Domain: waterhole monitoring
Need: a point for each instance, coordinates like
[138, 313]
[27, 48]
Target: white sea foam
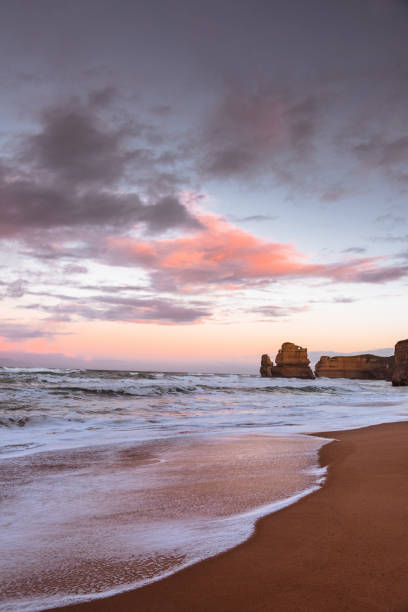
[101, 520]
[55, 409]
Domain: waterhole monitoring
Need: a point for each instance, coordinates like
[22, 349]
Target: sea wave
[65, 408]
[160, 390]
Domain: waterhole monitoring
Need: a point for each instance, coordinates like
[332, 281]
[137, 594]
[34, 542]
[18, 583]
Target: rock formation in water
[291, 362]
[266, 366]
[400, 375]
[368, 367]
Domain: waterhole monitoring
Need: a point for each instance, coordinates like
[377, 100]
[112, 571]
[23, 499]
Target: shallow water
[55, 409]
[110, 480]
[76, 522]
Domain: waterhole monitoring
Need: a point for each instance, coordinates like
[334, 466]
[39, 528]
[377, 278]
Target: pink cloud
[222, 254]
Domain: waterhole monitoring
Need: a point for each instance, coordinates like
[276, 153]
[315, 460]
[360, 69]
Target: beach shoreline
[340, 548]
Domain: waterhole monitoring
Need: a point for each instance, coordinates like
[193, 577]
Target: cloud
[250, 135]
[403, 255]
[391, 155]
[134, 310]
[381, 274]
[168, 212]
[78, 169]
[17, 332]
[390, 220]
[75, 269]
[391, 238]
[221, 254]
[343, 300]
[77, 147]
[52, 360]
[334, 300]
[364, 270]
[278, 312]
[16, 289]
[28, 205]
[102, 97]
[354, 250]
[251, 218]
[64, 198]
[113, 288]
[333, 193]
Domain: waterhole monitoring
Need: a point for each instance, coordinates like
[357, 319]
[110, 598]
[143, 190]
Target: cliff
[291, 362]
[368, 367]
[400, 375]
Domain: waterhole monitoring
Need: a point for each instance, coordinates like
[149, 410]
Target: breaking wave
[160, 390]
[64, 408]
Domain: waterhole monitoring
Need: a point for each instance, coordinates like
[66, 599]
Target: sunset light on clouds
[203, 216]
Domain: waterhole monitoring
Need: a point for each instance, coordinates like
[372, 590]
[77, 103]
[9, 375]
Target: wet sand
[344, 547]
[111, 518]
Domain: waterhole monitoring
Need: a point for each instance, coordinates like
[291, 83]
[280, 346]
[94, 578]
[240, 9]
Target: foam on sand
[88, 522]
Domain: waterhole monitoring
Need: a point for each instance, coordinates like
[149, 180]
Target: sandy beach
[341, 548]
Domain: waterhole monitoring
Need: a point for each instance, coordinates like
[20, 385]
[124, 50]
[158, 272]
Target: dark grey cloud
[166, 213]
[99, 142]
[78, 169]
[29, 205]
[252, 135]
[75, 146]
[102, 97]
[348, 44]
[391, 155]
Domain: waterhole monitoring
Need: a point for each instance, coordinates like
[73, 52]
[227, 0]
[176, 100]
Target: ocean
[114, 479]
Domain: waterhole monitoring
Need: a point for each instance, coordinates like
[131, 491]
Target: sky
[188, 184]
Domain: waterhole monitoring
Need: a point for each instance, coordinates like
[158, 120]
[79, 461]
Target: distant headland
[292, 362]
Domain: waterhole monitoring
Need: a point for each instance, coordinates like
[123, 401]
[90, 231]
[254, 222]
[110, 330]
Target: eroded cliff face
[400, 375]
[367, 367]
[291, 362]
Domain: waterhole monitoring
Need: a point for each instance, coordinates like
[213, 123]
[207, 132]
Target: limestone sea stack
[291, 362]
[400, 375]
[366, 367]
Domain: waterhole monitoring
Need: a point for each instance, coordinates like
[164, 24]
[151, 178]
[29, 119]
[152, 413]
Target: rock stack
[400, 375]
[291, 362]
[266, 366]
[368, 367]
